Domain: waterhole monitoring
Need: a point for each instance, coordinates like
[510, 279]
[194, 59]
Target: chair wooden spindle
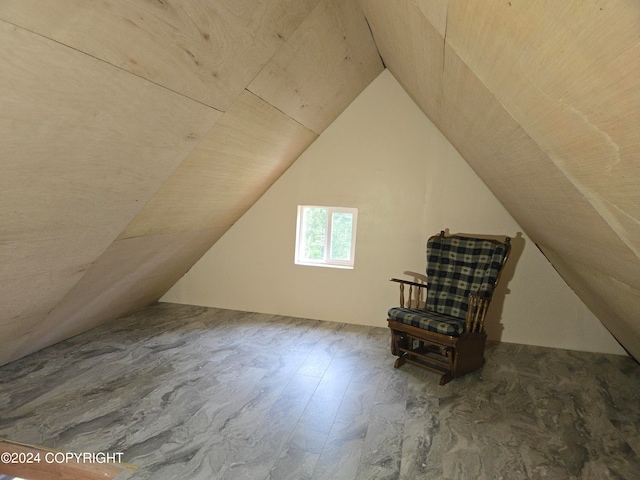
[467, 326]
[485, 306]
[478, 309]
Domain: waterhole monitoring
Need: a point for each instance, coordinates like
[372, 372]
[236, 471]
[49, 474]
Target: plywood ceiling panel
[243, 154]
[515, 167]
[21, 311]
[84, 145]
[208, 51]
[91, 143]
[436, 11]
[614, 302]
[411, 47]
[325, 65]
[568, 72]
[131, 274]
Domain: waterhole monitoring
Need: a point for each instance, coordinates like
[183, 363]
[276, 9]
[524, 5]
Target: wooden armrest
[407, 282]
[418, 286]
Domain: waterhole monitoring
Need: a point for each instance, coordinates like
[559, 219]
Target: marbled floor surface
[201, 393]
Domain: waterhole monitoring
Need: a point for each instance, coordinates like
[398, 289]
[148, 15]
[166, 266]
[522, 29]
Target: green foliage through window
[315, 227]
[326, 236]
[341, 224]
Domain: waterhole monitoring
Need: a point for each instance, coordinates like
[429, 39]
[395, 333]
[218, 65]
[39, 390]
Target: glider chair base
[450, 356]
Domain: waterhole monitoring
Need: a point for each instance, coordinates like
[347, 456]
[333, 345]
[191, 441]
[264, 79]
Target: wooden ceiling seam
[276, 51]
[384, 65]
[281, 111]
[157, 84]
[444, 41]
[322, 67]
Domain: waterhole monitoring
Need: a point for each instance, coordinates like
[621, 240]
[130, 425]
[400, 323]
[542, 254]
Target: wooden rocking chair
[445, 331]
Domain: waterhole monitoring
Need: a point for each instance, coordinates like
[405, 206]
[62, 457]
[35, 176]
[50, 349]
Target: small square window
[326, 236]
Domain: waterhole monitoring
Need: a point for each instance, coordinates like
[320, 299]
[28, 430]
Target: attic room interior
[155, 156]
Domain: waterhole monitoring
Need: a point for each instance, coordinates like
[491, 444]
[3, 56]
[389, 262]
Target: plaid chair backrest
[458, 266]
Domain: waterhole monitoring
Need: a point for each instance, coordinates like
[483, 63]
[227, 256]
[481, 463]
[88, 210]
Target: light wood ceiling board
[523, 177]
[494, 144]
[436, 12]
[472, 117]
[569, 72]
[506, 158]
[616, 304]
[131, 274]
[26, 301]
[208, 51]
[84, 145]
[411, 47]
[247, 150]
[503, 154]
[323, 67]
[17, 292]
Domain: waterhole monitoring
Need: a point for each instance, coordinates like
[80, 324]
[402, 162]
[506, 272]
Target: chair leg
[446, 378]
[400, 361]
[398, 341]
[394, 344]
[469, 355]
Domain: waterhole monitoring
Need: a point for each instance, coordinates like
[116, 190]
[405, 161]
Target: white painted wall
[384, 157]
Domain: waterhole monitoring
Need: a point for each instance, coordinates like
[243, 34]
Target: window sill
[326, 265]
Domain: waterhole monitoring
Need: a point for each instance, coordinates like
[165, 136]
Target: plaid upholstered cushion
[428, 320]
[458, 266]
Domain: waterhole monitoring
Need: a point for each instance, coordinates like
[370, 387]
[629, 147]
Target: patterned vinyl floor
[202, 393]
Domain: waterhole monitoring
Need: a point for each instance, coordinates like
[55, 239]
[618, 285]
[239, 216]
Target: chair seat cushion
[428, 320]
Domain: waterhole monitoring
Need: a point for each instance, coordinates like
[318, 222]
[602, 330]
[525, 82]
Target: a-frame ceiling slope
[543, 100]
[134, 133]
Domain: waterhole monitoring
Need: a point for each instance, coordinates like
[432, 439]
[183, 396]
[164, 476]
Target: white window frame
[327, 261]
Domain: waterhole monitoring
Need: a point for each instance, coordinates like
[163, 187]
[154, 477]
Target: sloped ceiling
[135, 133]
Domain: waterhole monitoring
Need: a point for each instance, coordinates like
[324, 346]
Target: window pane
[315, 226]
[320, 243]
[341, 227]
